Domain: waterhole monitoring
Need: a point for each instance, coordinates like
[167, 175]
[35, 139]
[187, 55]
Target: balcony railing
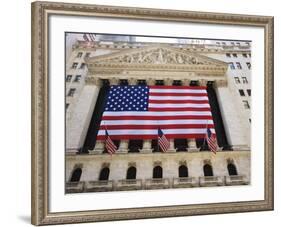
[157, 183]
[236, 180]
[129, 184]
[99, 186]
[74, 187]
[184, 182]
[211, 181]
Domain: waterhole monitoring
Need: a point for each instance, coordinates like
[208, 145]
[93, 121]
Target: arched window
[157, 172]
[183, 171]
[208, 170]
[76, 175]
[232, 169]
[131, 173]
[104, 173]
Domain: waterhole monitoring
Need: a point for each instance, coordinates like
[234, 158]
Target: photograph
[155, 112]
[149, 113]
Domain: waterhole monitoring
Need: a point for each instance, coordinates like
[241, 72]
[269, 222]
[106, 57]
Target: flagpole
[202, 147]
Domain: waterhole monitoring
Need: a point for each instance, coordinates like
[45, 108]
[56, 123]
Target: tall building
[224, 67]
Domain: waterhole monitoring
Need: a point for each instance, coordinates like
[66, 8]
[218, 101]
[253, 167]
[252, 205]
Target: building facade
[223, 66]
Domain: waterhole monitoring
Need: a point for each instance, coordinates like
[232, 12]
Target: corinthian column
[172, 146]
[146, 147]
[192, 145]
[123, 147]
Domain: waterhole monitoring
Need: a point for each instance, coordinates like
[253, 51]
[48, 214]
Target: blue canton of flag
[127, 98]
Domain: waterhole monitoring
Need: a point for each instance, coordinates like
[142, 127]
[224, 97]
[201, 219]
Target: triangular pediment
[156, 55]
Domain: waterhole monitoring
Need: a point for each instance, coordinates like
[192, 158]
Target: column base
[122, 151]
[96, 151]
[193, 149]
[171, 151]
[146, 150]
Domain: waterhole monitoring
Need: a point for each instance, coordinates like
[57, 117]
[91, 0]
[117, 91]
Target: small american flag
[162, 141]
[211, 140]
[109, 144]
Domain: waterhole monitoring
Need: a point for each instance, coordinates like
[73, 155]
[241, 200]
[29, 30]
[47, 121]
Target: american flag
[109, 144]
[138, 111]
[212, 141]
[162, 141]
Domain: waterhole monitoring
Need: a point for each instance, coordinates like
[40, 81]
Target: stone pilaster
[78, 125]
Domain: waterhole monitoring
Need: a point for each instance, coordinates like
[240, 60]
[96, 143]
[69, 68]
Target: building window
[232, 43]
[246, 104]
[237, 43]
[135, 146]
[231, 169]
[234, 55]
[228, 55]
[249, 65]
[241, 92]
[245, 55]
[208, 170]
[231, 65]
[177, 83]
[250, 120]
[223, 43]
[104, 173]
[183, 171]
[159, 82]
[77, 78]
[82, 66]
[157, 172]
[141, 82]
[249, 92]
[71, 92]
[237, 80]
[244, 79]
[131, 173]
[74, 65]
[68, 78]
[79, 55]
[218, 43]
[250, 55]
[238, 65]
[87, 54]
[66, 106]
[76, 175]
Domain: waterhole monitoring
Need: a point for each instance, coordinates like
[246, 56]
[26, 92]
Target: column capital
[150, 81]
[185, 82]
[93, 80]
[168, 81]
[132, 81]
[203, 82]
[220, 83]
[113, 81]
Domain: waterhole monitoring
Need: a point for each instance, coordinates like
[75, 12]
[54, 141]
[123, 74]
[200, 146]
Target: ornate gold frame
[40, 204]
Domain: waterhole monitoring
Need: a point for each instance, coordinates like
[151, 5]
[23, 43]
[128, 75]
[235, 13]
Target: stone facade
[116, 61]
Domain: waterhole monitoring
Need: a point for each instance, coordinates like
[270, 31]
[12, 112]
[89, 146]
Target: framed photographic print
[145, 113]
